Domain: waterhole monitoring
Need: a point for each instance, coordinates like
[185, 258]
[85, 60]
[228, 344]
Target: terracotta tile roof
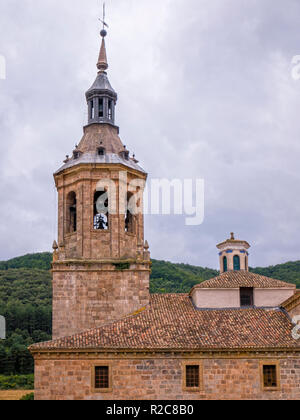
[292, 302]
[237, 279]
[172, 322]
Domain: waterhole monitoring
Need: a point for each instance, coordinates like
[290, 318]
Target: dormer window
[124, 154]
[247, 296]
[76, 155]
[101, 151]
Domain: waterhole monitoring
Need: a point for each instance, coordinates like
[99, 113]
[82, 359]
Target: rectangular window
[270, 376]
[192, 376]
[102, 377]
[246, 295]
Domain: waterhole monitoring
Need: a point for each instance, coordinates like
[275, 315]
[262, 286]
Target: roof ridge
[238, 277]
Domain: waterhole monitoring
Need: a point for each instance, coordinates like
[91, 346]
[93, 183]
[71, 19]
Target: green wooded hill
[25, 299]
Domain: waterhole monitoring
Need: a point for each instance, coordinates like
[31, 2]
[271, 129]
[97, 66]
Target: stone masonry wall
[87, 296]
[162, 379]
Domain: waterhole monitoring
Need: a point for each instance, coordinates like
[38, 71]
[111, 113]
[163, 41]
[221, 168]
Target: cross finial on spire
[103, 33]
[102, 64]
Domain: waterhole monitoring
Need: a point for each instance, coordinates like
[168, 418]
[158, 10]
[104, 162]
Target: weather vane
[105, 25]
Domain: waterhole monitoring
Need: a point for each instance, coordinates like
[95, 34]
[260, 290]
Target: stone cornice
[234, 244]
[91, 166]
[103, 265]
[113, 354]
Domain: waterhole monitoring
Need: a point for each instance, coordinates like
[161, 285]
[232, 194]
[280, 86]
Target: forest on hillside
[25, 299]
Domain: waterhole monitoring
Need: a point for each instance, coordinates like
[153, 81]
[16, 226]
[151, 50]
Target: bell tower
[101, 262]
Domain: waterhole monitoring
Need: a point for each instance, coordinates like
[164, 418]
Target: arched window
[71, 213]
[129, 216]
[236, 263]
[225, 264]
[101, 221]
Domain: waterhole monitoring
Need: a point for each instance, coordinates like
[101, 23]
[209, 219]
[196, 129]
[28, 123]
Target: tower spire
[101, 97]
[102, 64]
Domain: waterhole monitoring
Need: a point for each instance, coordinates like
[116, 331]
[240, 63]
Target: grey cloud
[205, 90]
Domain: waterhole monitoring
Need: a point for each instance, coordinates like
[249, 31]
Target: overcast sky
[205, 91]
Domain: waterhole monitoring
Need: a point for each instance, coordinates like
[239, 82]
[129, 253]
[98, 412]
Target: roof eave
[234, 242]
[79, 164]
[163, 350]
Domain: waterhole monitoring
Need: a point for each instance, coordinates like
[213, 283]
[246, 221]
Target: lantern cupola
[101, 97]
[233, 255]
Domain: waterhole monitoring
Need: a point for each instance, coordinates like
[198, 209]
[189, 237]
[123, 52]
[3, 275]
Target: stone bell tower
[233, 255]
[101, 262]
